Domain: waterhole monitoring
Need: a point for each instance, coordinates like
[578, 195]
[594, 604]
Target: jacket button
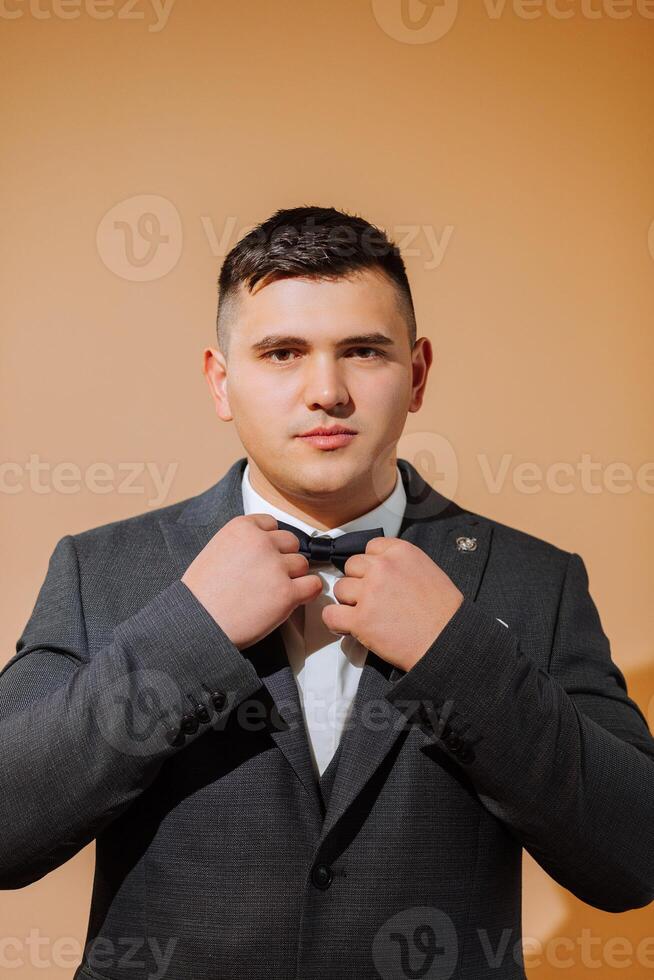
[175, 737]
[453, 741]
[423, 714]
[218, 698]
[322, 876]
[190, 724]
[202, 712]
[424, 721]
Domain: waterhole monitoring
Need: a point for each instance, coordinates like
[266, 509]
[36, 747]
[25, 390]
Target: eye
[271, 355]
[375, 352]
[280, 350]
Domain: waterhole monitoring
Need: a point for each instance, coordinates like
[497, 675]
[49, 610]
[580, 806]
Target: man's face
[302, 355]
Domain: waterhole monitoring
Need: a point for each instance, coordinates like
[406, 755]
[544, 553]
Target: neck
[330, 510]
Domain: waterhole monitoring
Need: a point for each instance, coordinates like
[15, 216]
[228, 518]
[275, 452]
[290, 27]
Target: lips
[329, 439]
[337, 430]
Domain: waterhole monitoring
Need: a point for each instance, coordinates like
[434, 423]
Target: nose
[325, 386]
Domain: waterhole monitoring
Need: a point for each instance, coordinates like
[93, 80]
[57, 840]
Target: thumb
[307, 587]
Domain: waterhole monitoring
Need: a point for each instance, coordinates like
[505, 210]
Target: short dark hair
[312, 242]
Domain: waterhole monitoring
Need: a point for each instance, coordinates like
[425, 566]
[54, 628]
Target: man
[313, 714]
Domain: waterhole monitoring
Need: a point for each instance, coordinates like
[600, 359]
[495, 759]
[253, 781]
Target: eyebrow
[287, 340]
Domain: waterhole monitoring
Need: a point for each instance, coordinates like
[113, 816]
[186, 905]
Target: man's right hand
[250, 578]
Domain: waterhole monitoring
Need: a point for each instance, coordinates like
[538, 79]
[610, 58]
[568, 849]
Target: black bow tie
[336, 550]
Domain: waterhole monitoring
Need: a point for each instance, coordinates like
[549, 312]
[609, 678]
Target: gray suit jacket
[127, 716]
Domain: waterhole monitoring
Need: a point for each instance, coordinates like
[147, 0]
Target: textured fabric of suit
[221, 856]
[326, 781]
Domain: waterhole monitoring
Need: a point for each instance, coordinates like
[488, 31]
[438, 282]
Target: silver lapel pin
[466, 544]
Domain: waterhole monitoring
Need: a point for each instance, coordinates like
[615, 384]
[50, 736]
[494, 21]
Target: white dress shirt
[326, 667]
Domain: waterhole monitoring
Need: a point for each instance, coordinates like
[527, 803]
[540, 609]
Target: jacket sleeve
[563, 757]
[81, 737]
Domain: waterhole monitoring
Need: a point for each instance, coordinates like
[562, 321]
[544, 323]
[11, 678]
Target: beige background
[520, 145]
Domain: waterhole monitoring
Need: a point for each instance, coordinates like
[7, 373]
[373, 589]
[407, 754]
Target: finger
[378, 545]
[348, 590]
[337, 618]
[307, 587]
[296, 565]
[265, 521]
[356, 565]
[285, 541]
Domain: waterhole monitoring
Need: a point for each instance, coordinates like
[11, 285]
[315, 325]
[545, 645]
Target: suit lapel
[185, 537]
[432, 523]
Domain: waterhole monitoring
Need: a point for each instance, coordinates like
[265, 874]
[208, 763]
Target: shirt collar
[388, 514]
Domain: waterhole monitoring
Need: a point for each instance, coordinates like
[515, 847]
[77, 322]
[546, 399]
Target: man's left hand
[394, 599]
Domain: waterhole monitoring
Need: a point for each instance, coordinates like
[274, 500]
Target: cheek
[250, 386]
[384, 399]
[260, 402]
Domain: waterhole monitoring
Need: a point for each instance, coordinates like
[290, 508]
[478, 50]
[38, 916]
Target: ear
[215, 371]
[421, 359]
